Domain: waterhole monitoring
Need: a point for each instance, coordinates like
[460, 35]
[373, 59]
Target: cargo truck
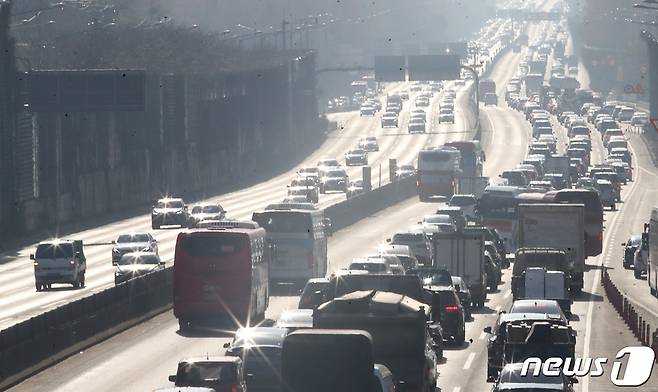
[533, 83]
[485, 87]
[323, 360]
[557, 226]
[398, 326]
[462, 254]
[541, 283]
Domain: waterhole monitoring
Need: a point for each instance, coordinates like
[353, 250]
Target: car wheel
[39, 286]
[637, 274]
[82, 280]
[183, 325]
[461, 336]
[155, 226]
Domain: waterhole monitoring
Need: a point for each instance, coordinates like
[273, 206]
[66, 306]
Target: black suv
[448, 311]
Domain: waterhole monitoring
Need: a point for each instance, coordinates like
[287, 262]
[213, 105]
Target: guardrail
[639, 326]
[36, 343]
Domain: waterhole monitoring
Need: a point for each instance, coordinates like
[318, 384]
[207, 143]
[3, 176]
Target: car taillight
[418, 183]
[451, 308]
[600, 236]
[234, 388]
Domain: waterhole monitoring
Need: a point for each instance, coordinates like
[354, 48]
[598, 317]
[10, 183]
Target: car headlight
[116, 251]
[179, 212]
[146, 249]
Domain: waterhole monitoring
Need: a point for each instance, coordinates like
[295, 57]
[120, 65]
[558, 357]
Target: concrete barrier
[354, 209]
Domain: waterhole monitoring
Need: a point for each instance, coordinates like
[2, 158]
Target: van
[59, 261]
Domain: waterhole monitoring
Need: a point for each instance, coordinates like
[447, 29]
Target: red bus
[593, 215]
[221, 272]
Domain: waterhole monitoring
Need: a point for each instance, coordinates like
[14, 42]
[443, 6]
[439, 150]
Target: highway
[141, 358]
[20, 299]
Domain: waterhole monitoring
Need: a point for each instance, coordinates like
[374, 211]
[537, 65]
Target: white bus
[298, 232]
[437, 172]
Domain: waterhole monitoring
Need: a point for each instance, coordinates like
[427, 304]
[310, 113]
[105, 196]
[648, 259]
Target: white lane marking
[483, 336]
[648, 172]
[498, 308]
[507, 293]
[456, 389]
[469, 361]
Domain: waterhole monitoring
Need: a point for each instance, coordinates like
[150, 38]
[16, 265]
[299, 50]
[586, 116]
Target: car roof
[212, 358]
[259, 336]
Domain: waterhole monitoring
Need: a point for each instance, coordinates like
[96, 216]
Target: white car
[446, 116]
[416, 126]
[405, 171]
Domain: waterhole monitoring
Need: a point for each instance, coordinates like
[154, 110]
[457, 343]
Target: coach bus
[497, 209]
[437, 172]
[298, 233]
[652, 267]
[221, 272]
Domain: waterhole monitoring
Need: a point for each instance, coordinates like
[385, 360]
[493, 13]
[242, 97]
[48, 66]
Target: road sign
[87, 90]
[389, 69]
[434, 67]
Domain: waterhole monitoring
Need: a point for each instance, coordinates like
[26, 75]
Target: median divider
[34, 344]
[637, 322]
[356, 208]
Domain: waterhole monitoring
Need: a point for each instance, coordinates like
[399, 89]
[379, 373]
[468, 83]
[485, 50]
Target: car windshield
[547, 307]
[308, 170]
[336, 173]
[357, 152]
[407, 168]
[442, 218]
[127, 238]
[432, 276]
[170, 204]
[212, 209]
[373, 268]
[54, 251]
[191, 374]
[461, 201]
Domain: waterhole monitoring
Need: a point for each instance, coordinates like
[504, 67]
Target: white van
[59, 261]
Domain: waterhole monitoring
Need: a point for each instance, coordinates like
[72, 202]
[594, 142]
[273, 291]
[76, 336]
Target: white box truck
[462, 254]
[558, 226]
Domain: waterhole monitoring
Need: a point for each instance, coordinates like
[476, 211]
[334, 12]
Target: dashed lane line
[469, 361]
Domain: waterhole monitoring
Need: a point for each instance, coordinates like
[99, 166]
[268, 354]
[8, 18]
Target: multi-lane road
[20, 300]
[140, 358]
